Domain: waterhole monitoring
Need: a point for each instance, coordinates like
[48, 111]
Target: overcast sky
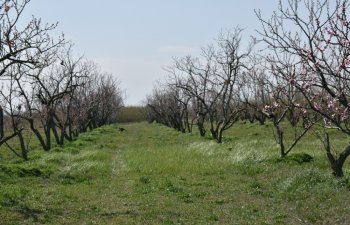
[134, 39]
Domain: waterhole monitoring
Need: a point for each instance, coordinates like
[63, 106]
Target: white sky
[134, 39]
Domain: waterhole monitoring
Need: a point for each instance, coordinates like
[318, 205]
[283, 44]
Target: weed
[172, 188]
[213, 217]
[145, 179]
[220, 201]
[255, 188]
[186, 197]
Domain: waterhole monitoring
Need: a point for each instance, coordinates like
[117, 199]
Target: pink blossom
[267, 107]
[344, 23]
[331, 32]
[309, 54]
[347, 61]
[307, 86]
[7, 8]
[319, 49]
[332, 103]
[345, 114]
[292, 81]
[317, 107]
[275, 104]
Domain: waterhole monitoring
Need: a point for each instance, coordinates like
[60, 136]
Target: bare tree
[47, 88]
[72, 72]
[164, 107]
[22, 46]
[255, 90]
[230, 62]
[110, 100]
[12, 108]
[211, 82]
[196, 75]
[98, 101]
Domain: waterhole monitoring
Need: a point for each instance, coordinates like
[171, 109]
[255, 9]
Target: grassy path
[151, 174]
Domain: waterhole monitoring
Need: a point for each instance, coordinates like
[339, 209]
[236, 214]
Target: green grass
[151, 174]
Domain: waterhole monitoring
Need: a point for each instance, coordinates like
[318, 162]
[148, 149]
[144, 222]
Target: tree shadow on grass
[29, 213]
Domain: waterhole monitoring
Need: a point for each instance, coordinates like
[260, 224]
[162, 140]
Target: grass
[151, 174]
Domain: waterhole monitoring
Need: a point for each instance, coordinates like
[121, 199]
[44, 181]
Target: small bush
[145, 180]
[297, 157]
[301, 158]
[71, 179]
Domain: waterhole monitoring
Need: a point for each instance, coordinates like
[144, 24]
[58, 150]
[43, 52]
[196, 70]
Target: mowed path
[161, 176]
[156, 176]
[151, 174]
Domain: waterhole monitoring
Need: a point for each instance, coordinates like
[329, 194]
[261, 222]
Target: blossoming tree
[316, 35]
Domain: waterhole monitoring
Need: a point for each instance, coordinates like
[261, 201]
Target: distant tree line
[45, 89]
[129, 114]
[296, 70]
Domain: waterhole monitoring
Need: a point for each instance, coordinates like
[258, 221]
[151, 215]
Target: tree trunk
[214, 133]
[63, 135]
[59, 141]
[187, 124]
[75, 133]
[38, 135]
[251, 118]
[69, 120]
[1, 123]
[337, 168]
[219, 136]
[200, 124]
[48, 137]
[24, 151]
[336, 164]
[280, 140]
[70, 130]
[261, 118]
